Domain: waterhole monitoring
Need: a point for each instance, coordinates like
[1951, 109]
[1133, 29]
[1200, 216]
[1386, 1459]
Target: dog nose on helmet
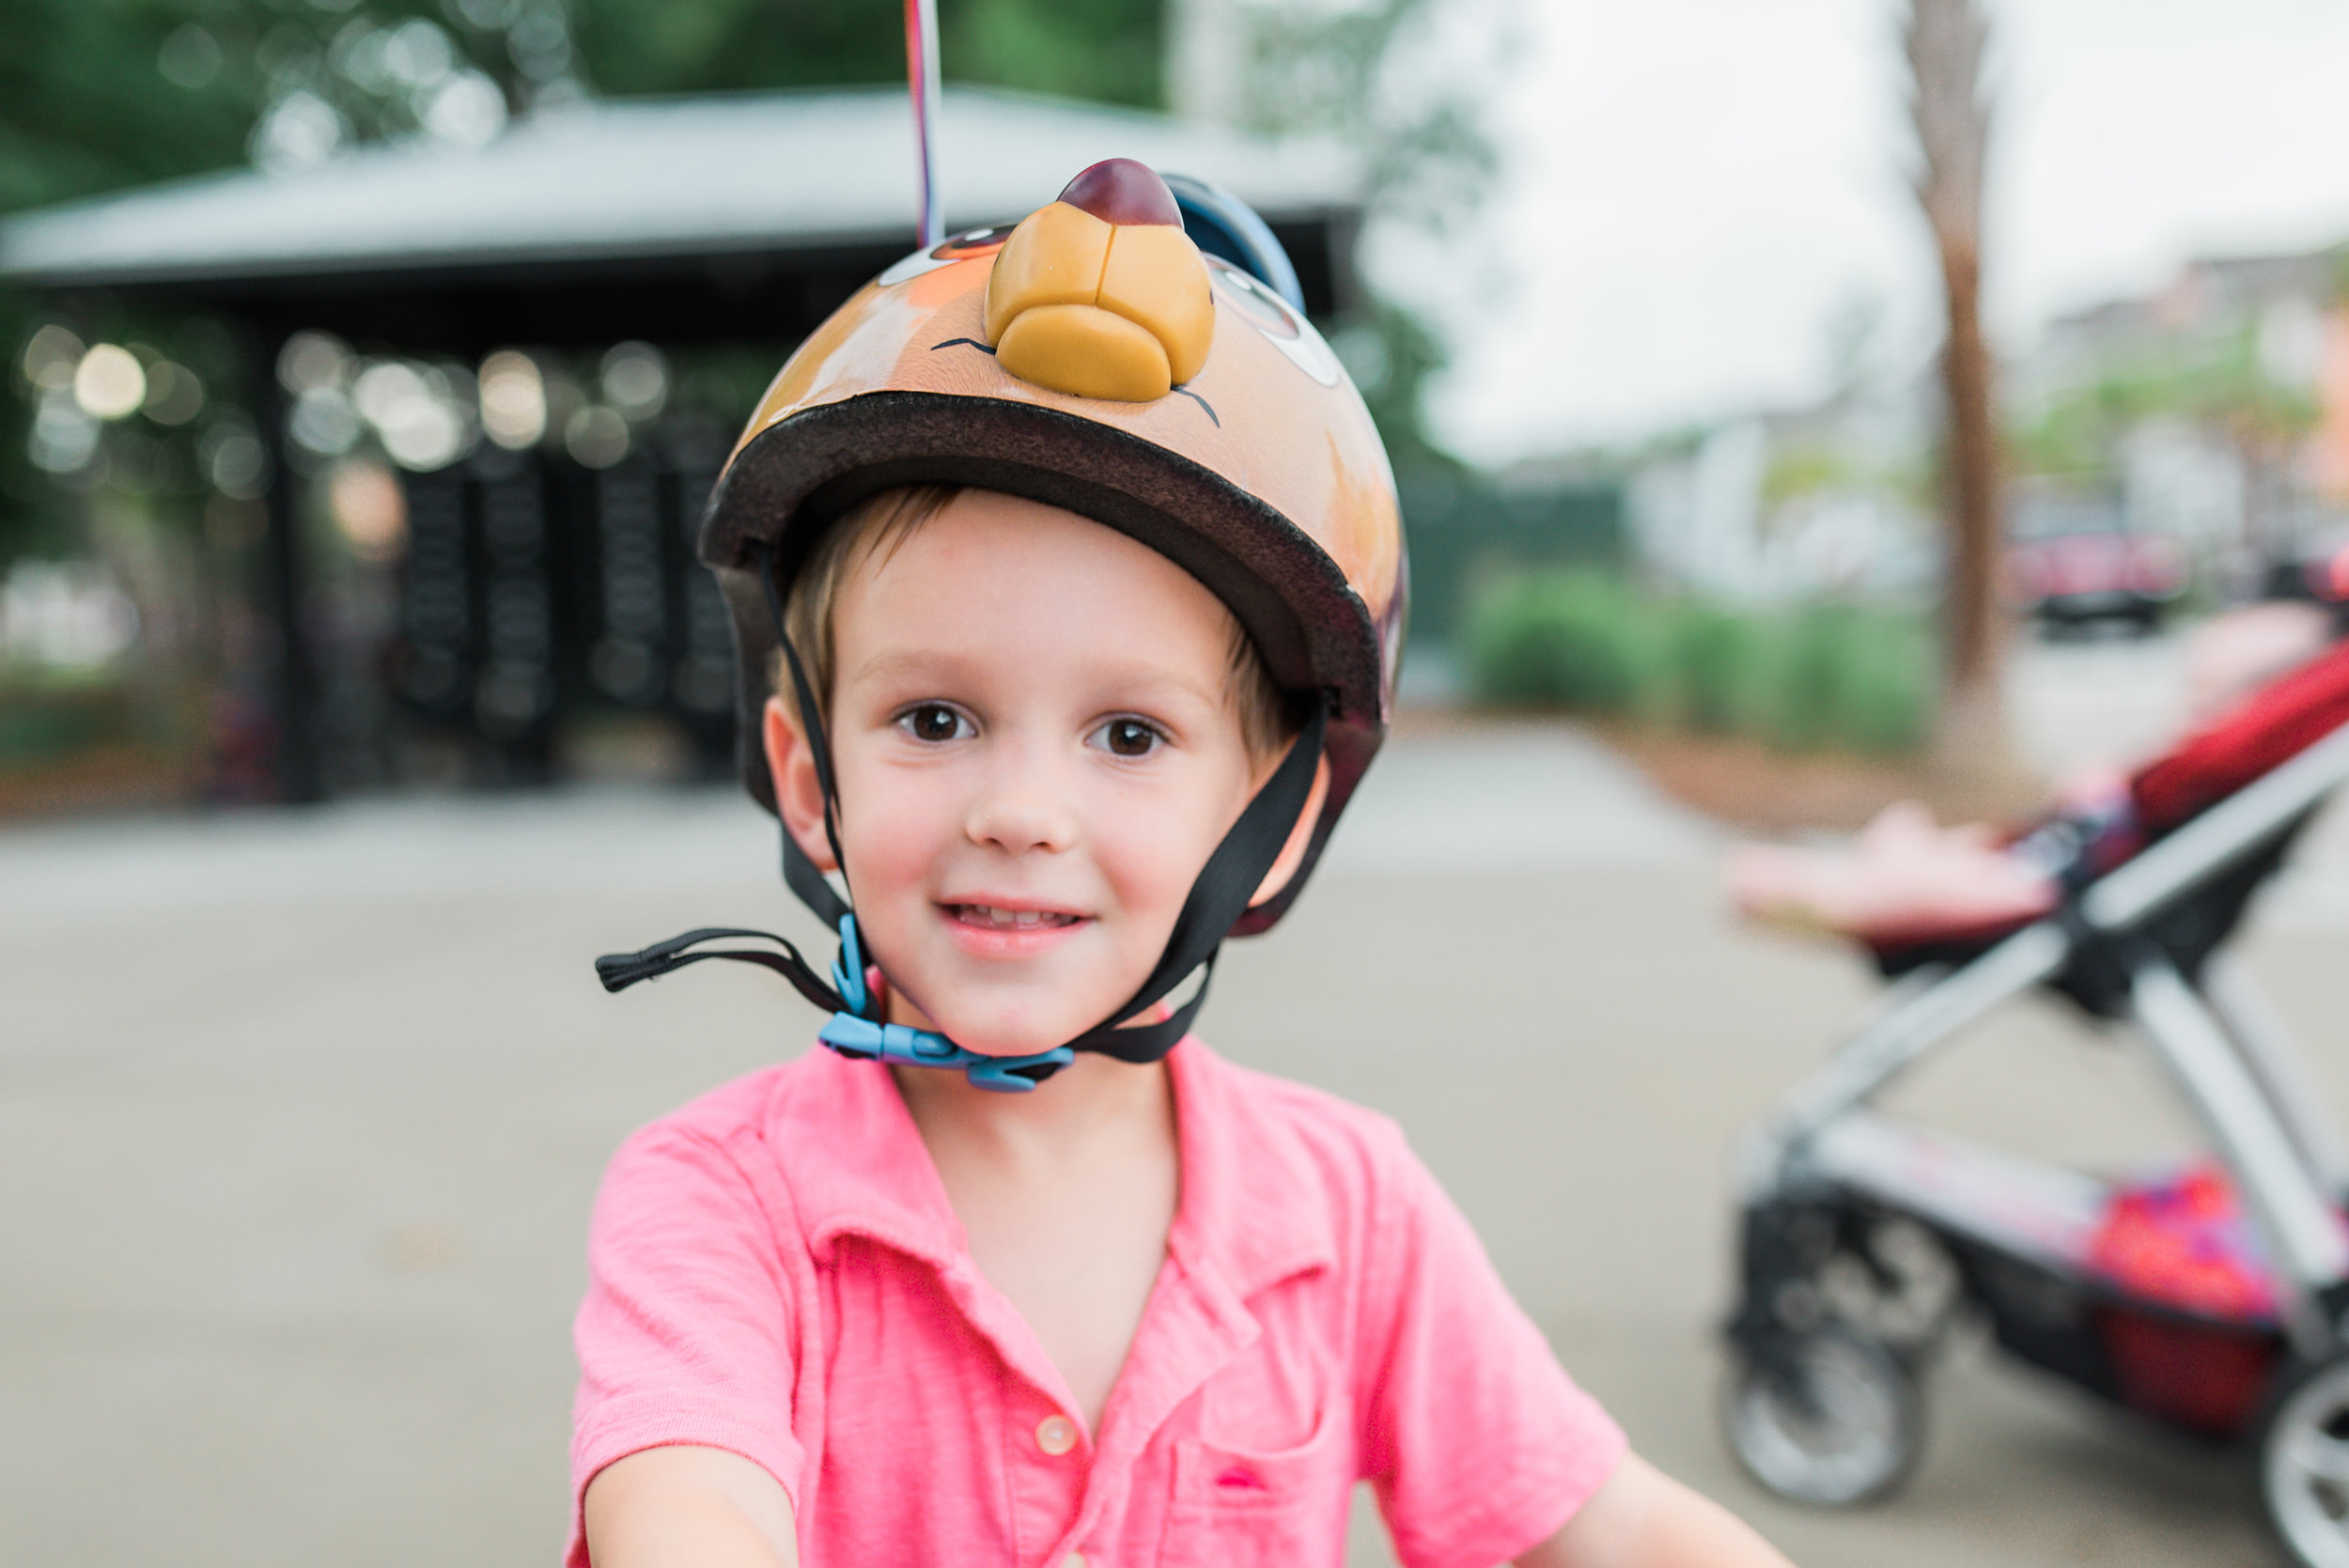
[1102, 294]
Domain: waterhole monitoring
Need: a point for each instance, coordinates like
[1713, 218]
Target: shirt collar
[1254, 1207]
[1248, 1211]
[858, 1164]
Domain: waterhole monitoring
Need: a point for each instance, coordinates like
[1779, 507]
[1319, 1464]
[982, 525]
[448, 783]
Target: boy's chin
[1031, 1034]
[1013, 1042]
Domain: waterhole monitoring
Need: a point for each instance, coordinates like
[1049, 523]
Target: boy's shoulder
[1276, 1101]
[718, 1115]
[725, 1126]
[1259, 1119]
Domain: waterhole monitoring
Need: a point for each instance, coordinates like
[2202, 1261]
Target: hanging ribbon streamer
[922, 79]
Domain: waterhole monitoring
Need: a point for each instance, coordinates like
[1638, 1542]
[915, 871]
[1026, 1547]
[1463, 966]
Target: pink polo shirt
[775, 1270]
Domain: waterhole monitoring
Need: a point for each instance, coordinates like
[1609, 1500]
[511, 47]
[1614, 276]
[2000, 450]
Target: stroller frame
[1824, 1404]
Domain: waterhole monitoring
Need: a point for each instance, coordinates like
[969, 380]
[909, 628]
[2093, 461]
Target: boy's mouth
[990, 917]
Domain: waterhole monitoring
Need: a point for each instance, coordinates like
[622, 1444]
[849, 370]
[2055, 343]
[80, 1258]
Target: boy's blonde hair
[874, 528]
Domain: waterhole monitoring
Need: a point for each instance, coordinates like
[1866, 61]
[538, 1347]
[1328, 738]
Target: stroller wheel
[2303, 1467]
[1824, 1416]
[1895, 1284]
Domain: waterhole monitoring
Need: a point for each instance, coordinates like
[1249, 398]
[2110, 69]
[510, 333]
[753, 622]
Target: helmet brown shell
[1262, 475]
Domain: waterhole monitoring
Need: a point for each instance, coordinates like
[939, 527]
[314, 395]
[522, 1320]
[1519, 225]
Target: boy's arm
[694, 1507]
[1643, 1519]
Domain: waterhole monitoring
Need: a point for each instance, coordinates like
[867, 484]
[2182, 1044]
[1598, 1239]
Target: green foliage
[1105, 50]
[1571, 639]
[1354, 73]
[83, 108]
[1719, 657]
[1821, 677]
[2217, 381]
[1804, 468]
[96, 95]
[1847, 676]
[42, 721]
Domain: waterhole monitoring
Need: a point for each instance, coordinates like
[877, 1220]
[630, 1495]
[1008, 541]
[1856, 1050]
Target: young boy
[1016, 1273]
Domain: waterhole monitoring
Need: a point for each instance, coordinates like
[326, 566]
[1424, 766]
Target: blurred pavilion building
[492, 389]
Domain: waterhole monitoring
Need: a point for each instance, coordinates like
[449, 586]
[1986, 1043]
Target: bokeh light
[233, 459]
[175, 394]
[513, 399]
[635, 379]
[109, 382]
[369, 509]
[596, 435]
[51, 356]
[313, 360]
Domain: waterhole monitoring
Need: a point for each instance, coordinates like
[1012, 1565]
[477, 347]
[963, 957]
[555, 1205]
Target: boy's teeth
[1013, 919]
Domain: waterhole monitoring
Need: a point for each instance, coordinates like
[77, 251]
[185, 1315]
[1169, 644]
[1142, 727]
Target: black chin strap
[1217, 900]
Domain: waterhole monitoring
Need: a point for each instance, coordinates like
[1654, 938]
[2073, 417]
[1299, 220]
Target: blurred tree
[100, 94]
[1362, 74]
[1949, 106]
[1106, 50]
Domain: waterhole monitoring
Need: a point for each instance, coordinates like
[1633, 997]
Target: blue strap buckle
[867, 1040]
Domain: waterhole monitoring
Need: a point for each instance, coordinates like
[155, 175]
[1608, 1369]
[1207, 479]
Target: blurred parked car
[2074, 564]
[2318, 571]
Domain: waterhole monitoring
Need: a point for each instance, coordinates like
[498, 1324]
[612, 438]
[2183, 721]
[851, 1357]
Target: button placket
[1056, 1435]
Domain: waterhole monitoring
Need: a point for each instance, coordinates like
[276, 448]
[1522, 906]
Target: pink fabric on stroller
[1908, 883]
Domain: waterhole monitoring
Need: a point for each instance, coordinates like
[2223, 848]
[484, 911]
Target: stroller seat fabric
[2257, 735]
[2266, 730]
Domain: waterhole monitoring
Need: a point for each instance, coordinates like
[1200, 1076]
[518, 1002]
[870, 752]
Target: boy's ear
[1293, 852]
[799, 795]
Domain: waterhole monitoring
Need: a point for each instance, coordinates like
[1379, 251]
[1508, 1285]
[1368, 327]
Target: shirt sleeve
[687, 1331]
[1475, 1440]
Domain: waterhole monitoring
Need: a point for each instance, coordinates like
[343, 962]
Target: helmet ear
[1227, 228]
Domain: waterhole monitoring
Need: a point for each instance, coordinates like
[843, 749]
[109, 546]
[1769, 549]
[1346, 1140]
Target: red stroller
[2216, 1303]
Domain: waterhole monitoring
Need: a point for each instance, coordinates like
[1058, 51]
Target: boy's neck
[1039, 1131]
[1091, 1098]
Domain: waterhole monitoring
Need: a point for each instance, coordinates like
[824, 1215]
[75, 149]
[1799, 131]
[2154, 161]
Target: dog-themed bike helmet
[1090, 358]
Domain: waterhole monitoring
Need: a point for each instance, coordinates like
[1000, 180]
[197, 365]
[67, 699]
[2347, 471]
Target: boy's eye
[935, 721]
[1126, 738]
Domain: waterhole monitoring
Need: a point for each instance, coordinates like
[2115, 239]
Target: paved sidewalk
[300, 1118]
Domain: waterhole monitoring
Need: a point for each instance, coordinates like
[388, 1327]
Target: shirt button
[1056, 1435]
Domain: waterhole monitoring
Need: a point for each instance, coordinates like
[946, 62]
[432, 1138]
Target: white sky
[1694, 186]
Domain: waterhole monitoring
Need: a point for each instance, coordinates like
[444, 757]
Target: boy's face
[1037, 748]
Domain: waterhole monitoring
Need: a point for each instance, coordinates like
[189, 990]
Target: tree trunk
[1972, 741]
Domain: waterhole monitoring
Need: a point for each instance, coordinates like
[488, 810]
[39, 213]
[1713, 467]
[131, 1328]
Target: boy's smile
[1037, 745]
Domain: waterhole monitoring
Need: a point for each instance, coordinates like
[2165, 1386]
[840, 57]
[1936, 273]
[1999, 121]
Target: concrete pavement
[300, 1118]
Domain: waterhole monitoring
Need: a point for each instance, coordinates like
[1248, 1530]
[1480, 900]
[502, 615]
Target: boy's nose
[1021, 824]
[1020, 811]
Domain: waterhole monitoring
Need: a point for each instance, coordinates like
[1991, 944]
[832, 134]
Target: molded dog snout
[1102, 294]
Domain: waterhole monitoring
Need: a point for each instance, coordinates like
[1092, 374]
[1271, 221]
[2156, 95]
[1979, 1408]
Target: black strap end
[619, 971]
